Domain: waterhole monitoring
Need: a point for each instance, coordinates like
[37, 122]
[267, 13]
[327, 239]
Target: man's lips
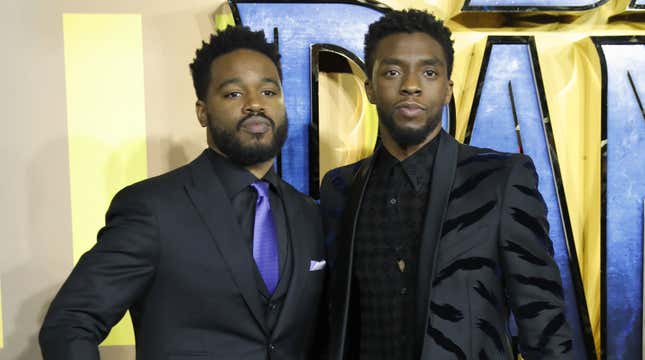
[256, 125]
[409, 109]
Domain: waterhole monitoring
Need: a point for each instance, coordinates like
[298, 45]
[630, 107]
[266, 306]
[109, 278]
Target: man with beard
[433, 242]
[218, 259]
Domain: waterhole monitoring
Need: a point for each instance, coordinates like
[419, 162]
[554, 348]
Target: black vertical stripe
[551, 328]
[548, 285]
[524, 254]
[468, 264]
[533, 309]
[471, 183]
[467, 219]
[491, 332]
[446, 343]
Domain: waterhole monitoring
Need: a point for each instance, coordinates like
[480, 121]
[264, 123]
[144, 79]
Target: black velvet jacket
[490, 255]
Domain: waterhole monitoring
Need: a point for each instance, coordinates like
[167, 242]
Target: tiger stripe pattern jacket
[485, 252]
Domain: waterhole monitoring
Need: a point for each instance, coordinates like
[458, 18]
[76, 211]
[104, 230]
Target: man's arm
[532, 278]
[107, 280]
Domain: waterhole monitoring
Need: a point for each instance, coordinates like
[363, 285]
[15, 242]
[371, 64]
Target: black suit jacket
[171, 252]
[485, 250]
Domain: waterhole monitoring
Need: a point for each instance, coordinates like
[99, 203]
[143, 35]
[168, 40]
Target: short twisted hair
[225, 41]
[407, 21]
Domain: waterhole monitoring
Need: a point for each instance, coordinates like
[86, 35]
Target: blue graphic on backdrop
[495, 128]
[301, 25]
[625, 193]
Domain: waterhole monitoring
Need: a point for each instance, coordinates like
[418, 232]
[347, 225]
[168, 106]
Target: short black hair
[225, 41]
[407, 21]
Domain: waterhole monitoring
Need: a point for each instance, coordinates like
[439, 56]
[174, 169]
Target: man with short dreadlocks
[218, 259]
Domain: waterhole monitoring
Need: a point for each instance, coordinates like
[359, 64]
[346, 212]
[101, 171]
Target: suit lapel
[297, 242]
[443, 174]
[214, 207]
[341, 283]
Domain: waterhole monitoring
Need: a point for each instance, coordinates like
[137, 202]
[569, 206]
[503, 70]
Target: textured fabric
[387, 246]
[265, 244]
[490, 254]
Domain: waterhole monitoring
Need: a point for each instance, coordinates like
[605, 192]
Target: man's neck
[258, 170]
[403, 152]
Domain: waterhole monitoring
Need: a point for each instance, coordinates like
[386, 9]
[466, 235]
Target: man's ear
[201, 112]
[369, 91]
[448, 92]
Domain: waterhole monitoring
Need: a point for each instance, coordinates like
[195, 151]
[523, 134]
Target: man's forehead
[244, 63]
[415, 46]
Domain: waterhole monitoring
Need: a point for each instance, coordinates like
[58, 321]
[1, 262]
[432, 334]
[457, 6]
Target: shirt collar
[417, 167]
[235, 177]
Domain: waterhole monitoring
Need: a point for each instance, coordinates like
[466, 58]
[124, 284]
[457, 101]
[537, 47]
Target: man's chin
[410, 136]
[256, 142]
[244, 134]
[248, 148]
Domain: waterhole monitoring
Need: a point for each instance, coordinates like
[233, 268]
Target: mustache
[255, 114]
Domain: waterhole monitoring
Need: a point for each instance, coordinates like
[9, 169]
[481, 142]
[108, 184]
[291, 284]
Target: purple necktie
[265, 244]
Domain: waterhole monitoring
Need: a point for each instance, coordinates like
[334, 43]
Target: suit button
[393, 201]
[271, 346]
[273, 306]
[404, 291]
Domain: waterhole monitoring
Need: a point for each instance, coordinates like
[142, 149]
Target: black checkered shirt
[389, 235]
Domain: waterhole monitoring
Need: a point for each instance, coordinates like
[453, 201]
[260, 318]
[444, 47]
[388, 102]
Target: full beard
[229, 142]
[406, 137]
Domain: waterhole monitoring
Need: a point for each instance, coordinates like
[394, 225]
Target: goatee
[228, 141]
[406, 137]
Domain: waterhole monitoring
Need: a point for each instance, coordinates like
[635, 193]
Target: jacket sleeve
[532, 278]
[107, 280]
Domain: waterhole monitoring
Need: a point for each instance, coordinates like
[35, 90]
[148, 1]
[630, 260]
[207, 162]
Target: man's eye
[269, 93]
[430, 73]
[391, 73]
[233, 94]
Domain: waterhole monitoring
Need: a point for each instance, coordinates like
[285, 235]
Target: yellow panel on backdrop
[572, 83]
[106, 122]
[347, 122]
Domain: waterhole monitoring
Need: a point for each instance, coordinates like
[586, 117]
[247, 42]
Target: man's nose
[410, 86]
[253, 104]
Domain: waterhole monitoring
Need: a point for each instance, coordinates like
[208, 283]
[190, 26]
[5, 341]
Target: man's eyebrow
[433, 61]
[391, 61]
[271, 80]
[228, 82]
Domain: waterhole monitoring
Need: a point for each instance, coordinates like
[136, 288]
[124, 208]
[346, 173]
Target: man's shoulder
[294, 196]
[477, 157]
[340, 178]
[502, 168]
[157, 186]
